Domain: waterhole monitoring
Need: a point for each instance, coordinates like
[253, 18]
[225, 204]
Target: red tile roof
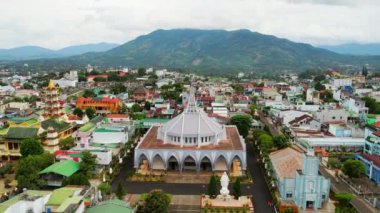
[81, 99]
[377, 133]
[374, 158]
[100, 76]
[376, 124]
[117, 116]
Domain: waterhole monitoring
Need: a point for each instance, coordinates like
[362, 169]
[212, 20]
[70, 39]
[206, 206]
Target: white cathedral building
[191, 142]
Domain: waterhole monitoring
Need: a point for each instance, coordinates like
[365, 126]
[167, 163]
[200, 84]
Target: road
[340, 186]
[259, 190]
[273, 130]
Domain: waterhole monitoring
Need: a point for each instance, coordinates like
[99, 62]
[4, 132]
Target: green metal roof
[57, 125]
[87, 127]
[114, 206]
[69, 201]
[155, 120]
[65, 168]
[21, 132]
[107, 130]
[59, 196]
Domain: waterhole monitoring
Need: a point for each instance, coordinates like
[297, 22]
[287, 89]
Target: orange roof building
[100, 105]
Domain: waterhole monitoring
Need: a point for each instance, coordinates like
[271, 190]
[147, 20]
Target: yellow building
[50, 97]
[49, 131]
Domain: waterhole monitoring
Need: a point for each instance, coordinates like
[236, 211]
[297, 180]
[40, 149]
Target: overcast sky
[59, 23]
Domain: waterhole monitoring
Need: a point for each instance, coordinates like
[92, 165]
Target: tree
[212, 187]
[118, 88]
[319, 78]
[266, 142]
[237, 188]
[155, 202]
[242, 122]
[89, 93]
[136, 108]
[90, 112]
[326, 96]
[123, 108]
[100, 79]
[78, 112]
[365, 71]
[120, 191]
[27, 172]
[87, 164]
[373, 106]
[343, 198]
[281, 141]
[76, 179]
[334, 163]
[31, 146]
[318, 86]
[141, 71]
[66, 143]
[238, 88]
[5, 169]
[147, 105]
[353, 168]
[105, 188]
[27, 86]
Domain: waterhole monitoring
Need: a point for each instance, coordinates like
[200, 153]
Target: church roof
[192, 122]
[286, 161]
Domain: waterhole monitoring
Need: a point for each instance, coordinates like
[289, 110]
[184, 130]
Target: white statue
[224, 180]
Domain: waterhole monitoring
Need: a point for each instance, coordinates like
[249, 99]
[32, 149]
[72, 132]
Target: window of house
[185, 140]
[82, 145]
[311, 186]
[15, 146]
[333, 117]
[195, 140]
[289, 195]
[10, 145]
[323, 196]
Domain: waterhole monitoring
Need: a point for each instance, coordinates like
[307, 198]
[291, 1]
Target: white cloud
[60, 23]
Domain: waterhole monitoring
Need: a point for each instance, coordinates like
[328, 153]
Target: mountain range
[36, 52]
[355, 49]
[214, 51]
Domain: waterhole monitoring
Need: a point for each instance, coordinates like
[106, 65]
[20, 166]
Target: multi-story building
[53, 108]
[341, 82]
[372, 166]
[372, 139]
[100, 105]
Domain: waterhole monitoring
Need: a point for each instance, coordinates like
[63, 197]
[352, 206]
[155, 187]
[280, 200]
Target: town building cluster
[171, 122]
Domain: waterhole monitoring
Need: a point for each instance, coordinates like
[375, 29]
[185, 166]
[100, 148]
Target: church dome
[192, 127]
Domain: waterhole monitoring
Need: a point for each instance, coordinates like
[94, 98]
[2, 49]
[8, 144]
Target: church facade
[191, 142]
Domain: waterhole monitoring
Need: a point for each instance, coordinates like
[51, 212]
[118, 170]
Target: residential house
[114, 206]
[10, 143]
[372, 165]
[140, 94]
[57, 172]
[66, 199]
[27, 201]
[331, 115]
